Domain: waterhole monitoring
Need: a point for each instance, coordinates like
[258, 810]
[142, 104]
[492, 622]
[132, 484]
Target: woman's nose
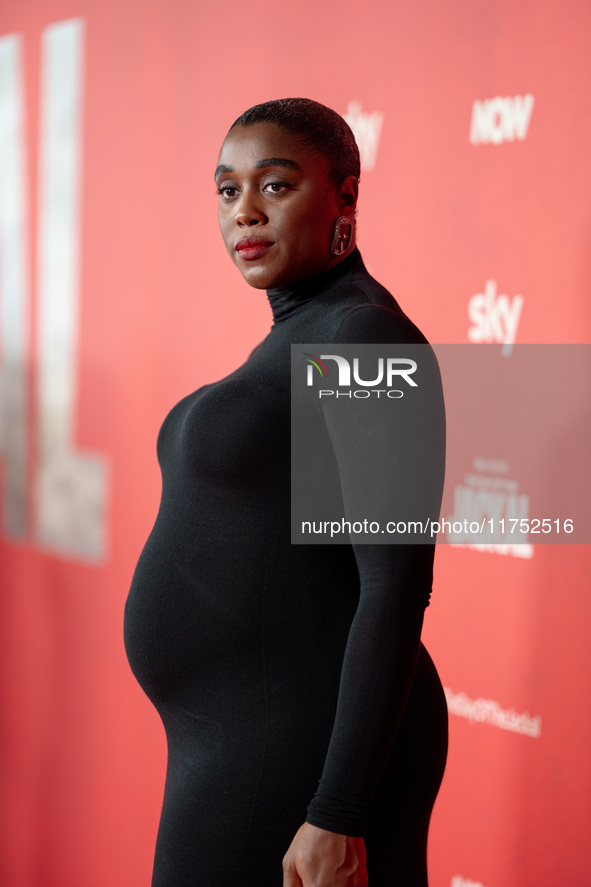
[248, 212]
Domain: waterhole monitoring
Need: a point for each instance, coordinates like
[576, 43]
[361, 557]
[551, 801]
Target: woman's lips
[250, 248]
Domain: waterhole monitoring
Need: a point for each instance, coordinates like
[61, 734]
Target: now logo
[367, 128]
[499, 120]
[494, 318]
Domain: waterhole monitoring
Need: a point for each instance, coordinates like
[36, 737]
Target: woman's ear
[348, 193]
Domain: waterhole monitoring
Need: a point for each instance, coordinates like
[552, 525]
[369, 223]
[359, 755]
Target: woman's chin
[258, 275]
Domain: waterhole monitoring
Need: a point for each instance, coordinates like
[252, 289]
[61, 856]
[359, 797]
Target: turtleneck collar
[285, 300]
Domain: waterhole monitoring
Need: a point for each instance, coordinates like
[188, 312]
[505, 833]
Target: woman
[272, 665]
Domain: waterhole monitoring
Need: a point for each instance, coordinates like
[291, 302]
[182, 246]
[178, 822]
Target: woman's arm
[399, 454]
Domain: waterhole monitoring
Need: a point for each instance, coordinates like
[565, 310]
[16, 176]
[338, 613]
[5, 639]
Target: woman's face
[278, 206]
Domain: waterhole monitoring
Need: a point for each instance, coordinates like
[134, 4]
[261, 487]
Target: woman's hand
[318, 858]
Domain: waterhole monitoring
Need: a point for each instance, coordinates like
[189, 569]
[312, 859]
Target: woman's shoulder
[365, 311]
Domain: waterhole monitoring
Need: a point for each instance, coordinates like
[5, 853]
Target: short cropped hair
[318, 128]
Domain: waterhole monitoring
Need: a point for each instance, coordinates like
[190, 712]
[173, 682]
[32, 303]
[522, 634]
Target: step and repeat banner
[117, 299]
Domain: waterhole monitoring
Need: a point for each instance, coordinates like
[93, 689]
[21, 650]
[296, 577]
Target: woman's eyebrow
[223, 167]
[260, 164]
[277, 161]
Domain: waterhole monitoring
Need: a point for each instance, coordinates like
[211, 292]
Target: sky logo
[495, 318]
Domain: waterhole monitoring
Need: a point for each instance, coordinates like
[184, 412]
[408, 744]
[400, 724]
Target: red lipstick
[250, 248]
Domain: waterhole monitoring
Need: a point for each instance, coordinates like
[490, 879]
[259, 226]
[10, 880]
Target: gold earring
[341, 238]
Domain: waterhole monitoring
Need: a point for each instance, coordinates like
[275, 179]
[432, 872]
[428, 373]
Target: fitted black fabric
[290, 679]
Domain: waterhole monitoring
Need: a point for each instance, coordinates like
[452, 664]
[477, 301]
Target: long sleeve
[397, 453]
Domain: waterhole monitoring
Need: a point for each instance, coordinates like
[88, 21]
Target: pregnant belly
[193, 610]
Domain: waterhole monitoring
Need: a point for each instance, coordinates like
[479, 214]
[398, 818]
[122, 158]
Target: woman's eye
[227, 192]
[275, 187]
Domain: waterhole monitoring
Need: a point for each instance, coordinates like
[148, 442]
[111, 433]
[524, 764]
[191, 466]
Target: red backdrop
[117, 298]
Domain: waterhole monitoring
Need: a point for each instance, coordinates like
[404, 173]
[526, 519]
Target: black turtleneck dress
[290, 679]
